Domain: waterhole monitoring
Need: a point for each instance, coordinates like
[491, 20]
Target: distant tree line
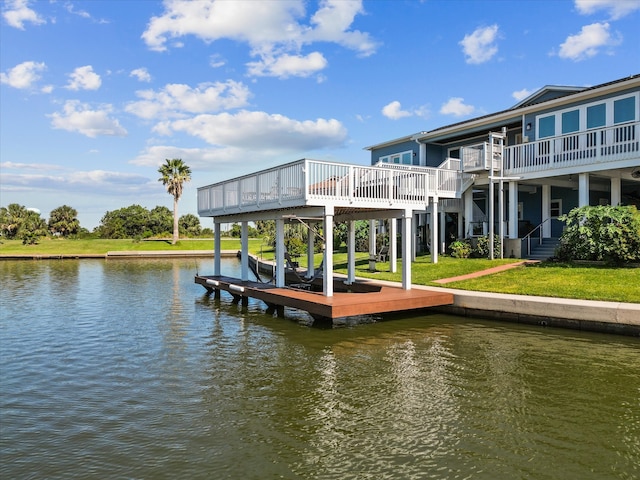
[135, 221]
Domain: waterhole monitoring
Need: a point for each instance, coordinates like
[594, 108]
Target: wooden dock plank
[341, 304]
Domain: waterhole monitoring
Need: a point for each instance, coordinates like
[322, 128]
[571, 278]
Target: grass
[60, 246]
[546, 279]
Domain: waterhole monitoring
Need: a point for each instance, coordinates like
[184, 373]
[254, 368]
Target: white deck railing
[601, 145]
[596, 146]
[315, 182]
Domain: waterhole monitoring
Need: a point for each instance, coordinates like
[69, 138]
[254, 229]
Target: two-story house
[560, 148]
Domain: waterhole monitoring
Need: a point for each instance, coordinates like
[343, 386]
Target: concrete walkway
[482, 273]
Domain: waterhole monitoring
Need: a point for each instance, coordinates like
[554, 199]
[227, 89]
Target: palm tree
[174, 173]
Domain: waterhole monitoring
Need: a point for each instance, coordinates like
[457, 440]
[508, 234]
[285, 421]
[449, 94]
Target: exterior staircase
[544, 250]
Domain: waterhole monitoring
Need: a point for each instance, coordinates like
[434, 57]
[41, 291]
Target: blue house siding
[396, 148]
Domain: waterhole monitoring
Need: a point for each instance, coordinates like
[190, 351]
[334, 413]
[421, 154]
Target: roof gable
[549, 92]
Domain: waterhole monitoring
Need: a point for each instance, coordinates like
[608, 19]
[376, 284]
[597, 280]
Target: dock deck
[381, 299]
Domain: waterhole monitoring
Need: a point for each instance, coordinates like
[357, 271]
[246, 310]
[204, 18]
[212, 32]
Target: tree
[128, 222]
[11, 219]
[174, 174]
[160, 220]
[33, 227]
[190, 225]
[63, 221]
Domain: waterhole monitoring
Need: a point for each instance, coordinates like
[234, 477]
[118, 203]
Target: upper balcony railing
[314, 182]
[596, 146]
[603, 145]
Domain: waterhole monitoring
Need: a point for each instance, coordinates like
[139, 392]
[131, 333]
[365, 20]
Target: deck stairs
[544, 250]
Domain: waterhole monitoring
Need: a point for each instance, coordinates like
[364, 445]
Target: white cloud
[271, 29]
[286, 66]
[28, 166]
[588, 43]
[23, 75]
[141, 74]
[216, 61]
[255, 131]
[394, 111]
[522, 94]
[84, 78]
[175, 99]
[455, 106]
[616, 8]
[79, 117]
[332, 22]
[17, 13]
[479, 46]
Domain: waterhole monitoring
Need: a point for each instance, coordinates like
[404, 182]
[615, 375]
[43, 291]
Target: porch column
[216, 248]
[372, 238]
[244, 249]
[393, 245]
[616, 191]
[460, 225]
[443, 232]
[513, 209]
[583, 189]
[468, 212]
[423, 154]
[280, 265]
[328, 252]
[546, 211]
[434, 230]
[406, 249]
[311, 243]
[351, 252]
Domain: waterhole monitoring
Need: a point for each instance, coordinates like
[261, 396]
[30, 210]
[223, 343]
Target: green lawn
[556, 280]
[59, 246]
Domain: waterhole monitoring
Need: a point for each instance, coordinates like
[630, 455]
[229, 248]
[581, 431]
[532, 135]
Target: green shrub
[482, 247]
[460, 249]
[601, 233]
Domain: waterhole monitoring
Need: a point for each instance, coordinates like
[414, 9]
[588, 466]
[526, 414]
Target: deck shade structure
[330, 192]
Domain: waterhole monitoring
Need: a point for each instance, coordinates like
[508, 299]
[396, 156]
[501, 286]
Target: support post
[328, 252]
[280, 264]
[583, 189]
[216, 249]
[616, 191]
[311, 239]
[393, 245]
[546, 211]
[406, 249]
[351, 252]
[244, 249]
[513, 209]
[434, 230]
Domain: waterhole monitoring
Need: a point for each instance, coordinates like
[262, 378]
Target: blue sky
[95, 95]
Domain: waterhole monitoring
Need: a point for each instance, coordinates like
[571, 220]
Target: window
[556, 208]
[597, 116]
[624, 110]
[570, 121]
[404, 158]
[547, 126]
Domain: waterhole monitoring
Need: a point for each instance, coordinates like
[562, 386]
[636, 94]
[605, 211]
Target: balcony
[598, 146]
[319, 183]
[614, 147]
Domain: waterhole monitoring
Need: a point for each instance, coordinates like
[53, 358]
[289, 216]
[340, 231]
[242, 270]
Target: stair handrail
[527, 237]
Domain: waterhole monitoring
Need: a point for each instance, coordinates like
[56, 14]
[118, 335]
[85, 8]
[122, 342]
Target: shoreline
[585, 315]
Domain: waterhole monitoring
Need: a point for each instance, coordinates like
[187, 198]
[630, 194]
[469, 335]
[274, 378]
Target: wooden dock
[344, 303]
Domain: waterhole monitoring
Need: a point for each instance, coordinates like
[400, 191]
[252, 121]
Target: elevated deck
[346, 303]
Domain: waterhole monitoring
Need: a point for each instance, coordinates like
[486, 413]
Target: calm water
[125, 369]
